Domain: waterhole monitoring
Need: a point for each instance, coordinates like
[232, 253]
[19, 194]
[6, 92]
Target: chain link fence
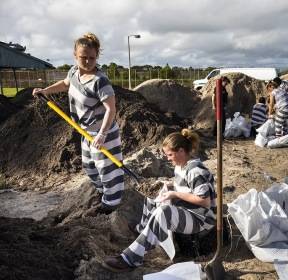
[42, 78]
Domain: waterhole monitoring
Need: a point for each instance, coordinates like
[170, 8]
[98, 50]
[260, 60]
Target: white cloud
[182, 33]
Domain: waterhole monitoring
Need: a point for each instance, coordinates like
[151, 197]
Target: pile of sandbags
[266, 136]
[237, 127]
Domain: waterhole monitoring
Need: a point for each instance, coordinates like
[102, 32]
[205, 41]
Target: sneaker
[100, 208]
[105, 209]
[117, 264]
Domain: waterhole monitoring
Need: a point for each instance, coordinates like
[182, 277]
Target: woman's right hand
[36, 91]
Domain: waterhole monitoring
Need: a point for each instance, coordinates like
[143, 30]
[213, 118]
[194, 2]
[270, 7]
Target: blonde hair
[186, 139]
[89, 40]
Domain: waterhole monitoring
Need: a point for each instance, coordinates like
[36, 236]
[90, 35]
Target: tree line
[115, 71]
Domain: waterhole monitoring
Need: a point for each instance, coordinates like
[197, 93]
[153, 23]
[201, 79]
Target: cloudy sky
[178, 32]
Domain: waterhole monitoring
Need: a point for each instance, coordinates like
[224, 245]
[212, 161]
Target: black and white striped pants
[154, 226]
[281, 118]
[104, 174]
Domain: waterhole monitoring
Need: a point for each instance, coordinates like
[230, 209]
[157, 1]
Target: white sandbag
[231, 129]
[267, 128]
[178, 271]
[281, 268]
[237, 127]
[262, 221]
[159, 197]
[268, 253]
[241, 122]
[278, 142]
[246, 130]
[271, 137]
[260, 140]
[279, 193]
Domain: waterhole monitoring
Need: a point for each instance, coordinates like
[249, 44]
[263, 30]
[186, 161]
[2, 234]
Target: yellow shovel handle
[83, 132]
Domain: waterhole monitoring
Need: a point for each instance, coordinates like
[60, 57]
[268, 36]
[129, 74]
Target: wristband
[102, 135]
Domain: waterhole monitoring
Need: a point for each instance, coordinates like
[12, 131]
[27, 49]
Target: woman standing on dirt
[278, 98]
[92, 105]
[188, 208]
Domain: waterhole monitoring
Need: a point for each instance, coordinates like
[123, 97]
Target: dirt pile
[169, 96]
[148, 162]
[9, 106]
[243, 92]
[284, 77]
[37, 145]
[39, 150]
[69, 244]
[142, 124]
[24, 242]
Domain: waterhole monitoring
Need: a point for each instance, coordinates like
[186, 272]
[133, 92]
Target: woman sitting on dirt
[92, 105]
[188, 208]
[278, 98]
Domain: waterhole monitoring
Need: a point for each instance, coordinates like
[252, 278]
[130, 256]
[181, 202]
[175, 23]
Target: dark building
[13, 56]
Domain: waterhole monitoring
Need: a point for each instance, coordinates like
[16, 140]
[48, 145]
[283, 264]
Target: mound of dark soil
[75, 248]
[9, 106]
[29, 251]
[142, 124]
[36, 144]
[23, 97]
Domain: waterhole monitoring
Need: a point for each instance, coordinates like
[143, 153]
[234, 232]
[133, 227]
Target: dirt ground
[48, 229]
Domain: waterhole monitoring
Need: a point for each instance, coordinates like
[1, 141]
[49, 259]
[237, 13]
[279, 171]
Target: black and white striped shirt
[284, 86]
[259, 114]
[195, 178]
[86, 107]
[281, 98]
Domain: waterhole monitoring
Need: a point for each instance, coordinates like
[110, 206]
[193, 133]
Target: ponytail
[89, 40]
[187, 139]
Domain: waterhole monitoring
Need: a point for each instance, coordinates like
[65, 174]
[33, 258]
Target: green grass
[10, 92]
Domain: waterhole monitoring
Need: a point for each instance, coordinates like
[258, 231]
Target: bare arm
[271, 104]
[110, 113]
[109, 116]
[60, 86]
[189, 197]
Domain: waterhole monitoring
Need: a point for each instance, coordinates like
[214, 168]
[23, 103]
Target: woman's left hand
[99, 140]
[167, 195]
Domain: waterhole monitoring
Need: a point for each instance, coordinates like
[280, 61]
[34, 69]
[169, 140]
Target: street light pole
[129, 68]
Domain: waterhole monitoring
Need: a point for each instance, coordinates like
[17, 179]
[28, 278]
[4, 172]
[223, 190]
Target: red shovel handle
[219, 100]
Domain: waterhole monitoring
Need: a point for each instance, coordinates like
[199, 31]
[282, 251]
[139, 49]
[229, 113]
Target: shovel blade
[215, 271]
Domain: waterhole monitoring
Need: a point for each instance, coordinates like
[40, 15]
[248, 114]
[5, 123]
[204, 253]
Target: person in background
[92, 106]
[259, 115]
[225, 82]
[188, 208]
[283, 85]
[278, 102]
